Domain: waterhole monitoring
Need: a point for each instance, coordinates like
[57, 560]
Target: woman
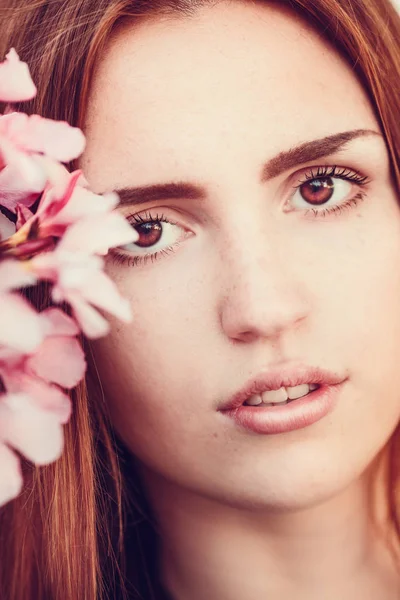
[256, 149]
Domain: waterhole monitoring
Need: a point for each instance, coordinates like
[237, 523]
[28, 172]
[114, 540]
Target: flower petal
[33, 133]
[20, 325]
[58, 323]
[45, 396]
[98, 234]
[16, 84]
[36, 433]
[59, 360]
[83, 203]
[11, 477]
[22, 179]
[68, 269]
[23, 215]
[14, 275]
[7, 227]
[102, 292]
[90, 320]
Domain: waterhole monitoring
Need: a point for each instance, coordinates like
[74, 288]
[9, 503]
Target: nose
[261, 297]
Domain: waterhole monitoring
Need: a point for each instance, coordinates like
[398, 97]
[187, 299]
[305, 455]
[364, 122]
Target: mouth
[312, 403]
[282, 396]
[282, 384]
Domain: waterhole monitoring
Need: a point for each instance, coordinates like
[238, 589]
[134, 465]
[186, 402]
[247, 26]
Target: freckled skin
[209, 100]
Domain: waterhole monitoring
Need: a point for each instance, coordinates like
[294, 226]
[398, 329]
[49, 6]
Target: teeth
[254, 400]
[275, 396]
[298, 391]
[281, 396]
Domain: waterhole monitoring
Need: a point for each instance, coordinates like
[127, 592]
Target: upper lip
[282, 376]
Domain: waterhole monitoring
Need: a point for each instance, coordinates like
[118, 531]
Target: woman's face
[254, 277]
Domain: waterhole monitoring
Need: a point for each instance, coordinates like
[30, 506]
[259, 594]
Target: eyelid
[313, 170]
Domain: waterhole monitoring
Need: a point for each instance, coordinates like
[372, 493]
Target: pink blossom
[97, 234]
[23, 215]
[29, 147]
[78, 279]
[34, 432]
[61, 232]
[58, 359]
[14, 275]
[11, 477]
[22, 179]
[35, 135]
[44, 395]
[16, 84]
[77, 275]
[20, 326]
[7, 227]
[66, 199]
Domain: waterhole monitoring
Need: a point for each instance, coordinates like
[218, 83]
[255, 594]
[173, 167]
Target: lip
[298, 414]
[282, 376]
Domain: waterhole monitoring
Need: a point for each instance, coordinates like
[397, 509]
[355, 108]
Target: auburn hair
[77, 523]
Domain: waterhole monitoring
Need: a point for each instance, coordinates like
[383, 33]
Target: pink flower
[21, 329]
[16, 84]
[45, 396]
[66, 200]
[35, 135]
[34, 409]
[22, 179]
[31, 430]
[24, 142]
[78, 279]
[97, 234]
[61, 231]
[59, 360]
[7, 227]
[20, 326]
[11, 478]
[14, 275]
[34, 432]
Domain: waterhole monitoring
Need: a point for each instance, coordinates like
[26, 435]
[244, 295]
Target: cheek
[149, 370]
[361, 324]
[356, 281]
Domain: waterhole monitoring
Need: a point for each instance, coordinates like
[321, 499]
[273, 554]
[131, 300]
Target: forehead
[238, 80]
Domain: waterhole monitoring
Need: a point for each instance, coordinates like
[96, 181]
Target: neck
[213, 550]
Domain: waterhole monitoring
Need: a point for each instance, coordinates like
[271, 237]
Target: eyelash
[322, 172]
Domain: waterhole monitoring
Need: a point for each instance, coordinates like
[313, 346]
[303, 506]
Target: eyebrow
[277, 165]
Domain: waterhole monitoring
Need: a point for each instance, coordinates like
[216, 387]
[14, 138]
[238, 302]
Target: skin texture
[256, 280]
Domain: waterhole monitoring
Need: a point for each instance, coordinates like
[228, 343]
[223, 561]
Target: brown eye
[318, 191]
[157, 236]
[149, 234]
[322, 192]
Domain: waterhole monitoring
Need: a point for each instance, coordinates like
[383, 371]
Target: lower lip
[297, 414]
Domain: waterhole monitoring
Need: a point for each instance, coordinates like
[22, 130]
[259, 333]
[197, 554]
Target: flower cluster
[53, 229]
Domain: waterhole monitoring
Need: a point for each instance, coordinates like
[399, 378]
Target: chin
[292, 489]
